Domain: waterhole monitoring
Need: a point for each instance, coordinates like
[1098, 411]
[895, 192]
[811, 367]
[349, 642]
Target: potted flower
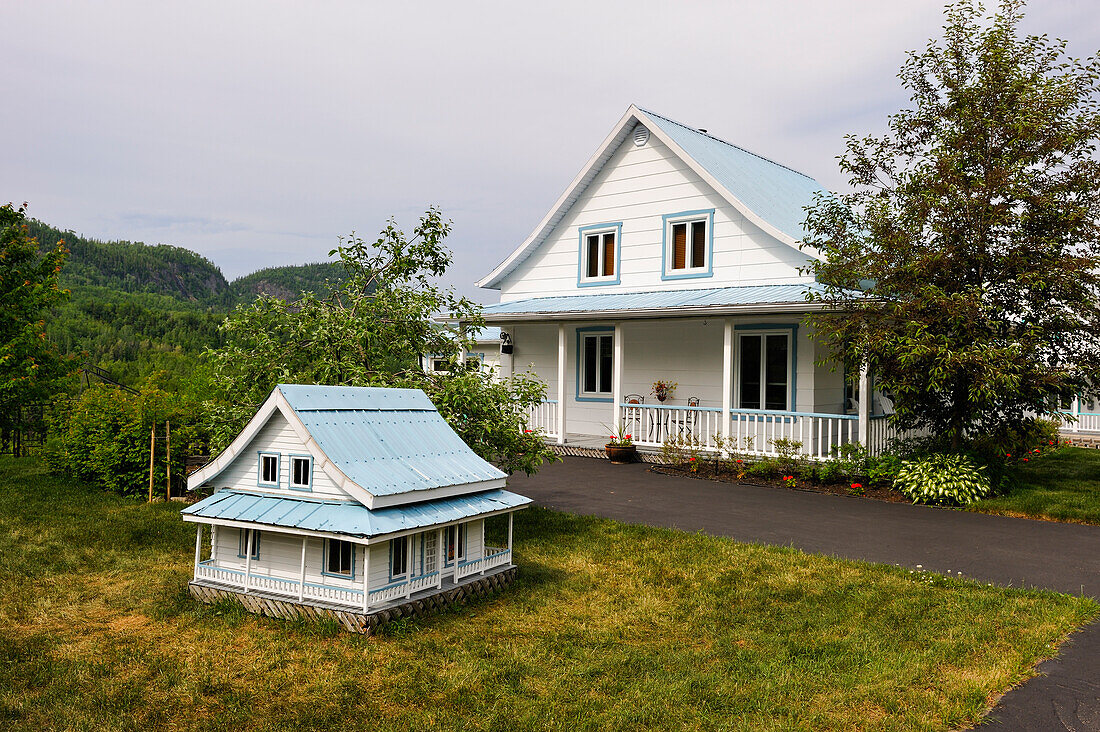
[621, 449]
[663, 389]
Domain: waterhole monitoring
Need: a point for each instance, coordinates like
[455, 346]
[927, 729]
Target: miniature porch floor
[354, 618]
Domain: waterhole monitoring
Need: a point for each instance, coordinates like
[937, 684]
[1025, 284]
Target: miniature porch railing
[544, 417]
[752, 431]
[494, 557]
[1086, 421]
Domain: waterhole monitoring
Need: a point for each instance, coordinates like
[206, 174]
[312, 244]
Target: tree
[29, 362]
[964, 266]
[372, 331]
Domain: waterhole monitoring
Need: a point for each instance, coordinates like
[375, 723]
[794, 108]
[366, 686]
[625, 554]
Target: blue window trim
[793, 387]
[583, 281]
[242, 545]
[324, 560]
[290, 474]
[407, 574]
[260, 455]
[666, 221]
[581, 333]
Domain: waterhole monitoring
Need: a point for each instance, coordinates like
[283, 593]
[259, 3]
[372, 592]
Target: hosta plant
[942, 479]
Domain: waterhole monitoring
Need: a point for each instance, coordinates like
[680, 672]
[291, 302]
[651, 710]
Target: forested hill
[179, 273]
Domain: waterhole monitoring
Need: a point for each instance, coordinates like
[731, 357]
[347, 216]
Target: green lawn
[1062, 486]
[610, 626]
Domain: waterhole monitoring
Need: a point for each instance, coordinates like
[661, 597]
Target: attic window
[301, 472]
[599, 254]
[269, 469]
[689, 242]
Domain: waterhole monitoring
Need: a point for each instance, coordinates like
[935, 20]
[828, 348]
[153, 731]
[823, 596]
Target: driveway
[1007, 551]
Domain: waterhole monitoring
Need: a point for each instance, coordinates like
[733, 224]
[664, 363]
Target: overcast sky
[256, 133]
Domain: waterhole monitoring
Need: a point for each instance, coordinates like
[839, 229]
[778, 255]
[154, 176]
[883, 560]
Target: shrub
[942, 479]
[883, 469]
[765, 469]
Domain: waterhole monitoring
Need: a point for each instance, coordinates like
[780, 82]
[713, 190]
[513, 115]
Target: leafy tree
[964, 266]
[29, 362]
[372, 331]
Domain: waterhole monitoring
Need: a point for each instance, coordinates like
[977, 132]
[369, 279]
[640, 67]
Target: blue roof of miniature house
[348, 517]
[387, 441]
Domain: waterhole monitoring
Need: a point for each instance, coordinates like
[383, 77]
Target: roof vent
[703, 130]
[641, 136]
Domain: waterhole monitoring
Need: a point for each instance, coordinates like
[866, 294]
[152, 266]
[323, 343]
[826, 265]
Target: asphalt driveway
[1007, 551]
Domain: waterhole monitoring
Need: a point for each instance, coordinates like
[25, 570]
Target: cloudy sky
[256, 133]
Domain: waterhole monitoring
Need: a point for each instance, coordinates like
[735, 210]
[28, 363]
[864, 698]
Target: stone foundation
[355, 621]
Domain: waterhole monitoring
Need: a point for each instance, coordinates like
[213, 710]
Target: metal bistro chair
[690, 421]
[633, 416]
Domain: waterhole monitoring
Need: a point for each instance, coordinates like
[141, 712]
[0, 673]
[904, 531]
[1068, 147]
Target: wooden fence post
[152, 448]
[168, 441]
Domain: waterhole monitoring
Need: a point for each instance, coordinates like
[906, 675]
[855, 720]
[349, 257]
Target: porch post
[410, 565]
[561, 383]
[864, 405]
[366, 577]
[510, 537]
[727, 381]
[616, 375]
[302, 574]
[248, 557]
[198, 548]
[439, 553]
[1076, 407]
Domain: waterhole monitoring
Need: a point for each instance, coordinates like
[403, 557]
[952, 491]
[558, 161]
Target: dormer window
[688, 244]
[599, 254]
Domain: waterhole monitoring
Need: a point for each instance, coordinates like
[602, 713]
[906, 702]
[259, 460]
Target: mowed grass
[1061, 486]
[610, 626]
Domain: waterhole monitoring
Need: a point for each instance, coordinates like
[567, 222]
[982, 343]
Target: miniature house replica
[359, 504]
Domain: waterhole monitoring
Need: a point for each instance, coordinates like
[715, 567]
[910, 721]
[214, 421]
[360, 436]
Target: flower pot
[621, 454]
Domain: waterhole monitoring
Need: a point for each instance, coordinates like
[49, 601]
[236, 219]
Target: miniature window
[399, 556]
[598, 252]
[439, 365]
[338, 557]
[269, 469]
[596, 361]
[301, 469]
[455, 539]
[764, 364]
[689, 245]
[248, 535]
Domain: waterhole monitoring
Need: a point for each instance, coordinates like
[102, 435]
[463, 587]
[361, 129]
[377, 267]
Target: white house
[485, 354]
[675, 255]
[348, 498]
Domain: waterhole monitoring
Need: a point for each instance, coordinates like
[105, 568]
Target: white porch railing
[1086, 422]
[544, 417]
[752, 431]
[494, 557]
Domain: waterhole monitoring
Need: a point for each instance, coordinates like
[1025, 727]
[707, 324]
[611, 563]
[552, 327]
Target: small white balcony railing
[544, 417]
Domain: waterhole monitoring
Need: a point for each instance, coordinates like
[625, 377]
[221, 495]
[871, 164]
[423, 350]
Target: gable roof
[383, 447]
[770, 195]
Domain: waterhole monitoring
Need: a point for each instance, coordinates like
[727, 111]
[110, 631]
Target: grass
[1061, 486]
[609, 626]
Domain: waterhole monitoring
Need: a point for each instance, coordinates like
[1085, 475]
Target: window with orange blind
[598, 254]
[689, 244]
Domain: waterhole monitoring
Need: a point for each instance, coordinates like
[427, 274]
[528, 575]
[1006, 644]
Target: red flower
[527, 432]
[691, 458]
[739, 461]
[1025, 460]
[629, 437]
[857, 485]
[1007, 455]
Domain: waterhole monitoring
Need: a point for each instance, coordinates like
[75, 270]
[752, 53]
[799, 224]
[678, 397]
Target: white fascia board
[215, 467]
[233, 524]
[565, 201]
[379, 538]
[655, 129]
[431, 494]
[679, 312]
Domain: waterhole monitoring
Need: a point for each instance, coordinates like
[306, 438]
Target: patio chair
[633, 416]
[690, 421]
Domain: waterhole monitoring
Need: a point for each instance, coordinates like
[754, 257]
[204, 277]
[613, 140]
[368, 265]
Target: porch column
[561, 383]
[198, 548]
[439, 554]
[864, 405]
[302, 574]
[248, 558]
[727, 381]
[456, 553]
[616, 376]
[366, 577]
[410, 565]
[507, 362]
[510, 537]
[1075, 407]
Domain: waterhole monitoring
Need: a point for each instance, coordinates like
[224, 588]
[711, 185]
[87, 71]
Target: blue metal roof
[624, 301]
[387, 441]
[348, 517]
[772, 191]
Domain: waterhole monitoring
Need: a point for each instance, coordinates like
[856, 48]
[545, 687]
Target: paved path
[1016, 552]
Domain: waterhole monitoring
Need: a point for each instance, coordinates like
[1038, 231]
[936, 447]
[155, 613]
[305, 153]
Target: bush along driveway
[997, 549]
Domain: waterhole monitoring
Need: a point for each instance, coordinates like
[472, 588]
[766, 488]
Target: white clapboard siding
[276, 436]
[637, 187]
